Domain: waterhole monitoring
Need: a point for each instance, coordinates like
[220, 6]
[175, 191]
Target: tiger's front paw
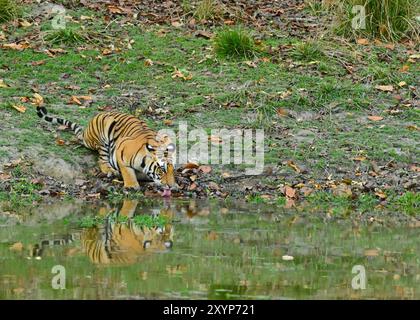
[132, 188]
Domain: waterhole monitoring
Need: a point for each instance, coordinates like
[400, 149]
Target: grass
[385, 19]
[67, 36]
[234, 43]
[222, 93]
[142, 220]
[9, 10]
[307, 51]
[207, 10]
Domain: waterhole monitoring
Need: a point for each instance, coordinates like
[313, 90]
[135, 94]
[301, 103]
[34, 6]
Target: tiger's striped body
[125, 145]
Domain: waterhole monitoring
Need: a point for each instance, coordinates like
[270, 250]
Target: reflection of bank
[119, 240]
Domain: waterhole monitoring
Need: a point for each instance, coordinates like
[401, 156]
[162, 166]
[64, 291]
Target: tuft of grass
[409, 203]
[386, 19]
[235, 43]
[207, 10]
[68, 36]
[9, 10]
[307, 51]
[149, 221]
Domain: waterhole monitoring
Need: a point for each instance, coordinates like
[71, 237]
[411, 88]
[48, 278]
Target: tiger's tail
[42, 113]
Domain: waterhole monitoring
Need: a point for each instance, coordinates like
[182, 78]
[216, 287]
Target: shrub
[235, 43]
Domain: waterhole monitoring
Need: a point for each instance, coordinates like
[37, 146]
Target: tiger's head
[158, 161]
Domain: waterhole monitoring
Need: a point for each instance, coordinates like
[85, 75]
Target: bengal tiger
[117, 243]
[125, 145]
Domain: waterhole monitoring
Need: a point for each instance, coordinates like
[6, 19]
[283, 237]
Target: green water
[206, 250]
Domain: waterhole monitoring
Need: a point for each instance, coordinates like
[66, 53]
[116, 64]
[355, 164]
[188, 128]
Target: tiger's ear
[149, 147]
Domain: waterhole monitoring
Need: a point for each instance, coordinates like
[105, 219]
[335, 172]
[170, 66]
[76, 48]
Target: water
[203, 250]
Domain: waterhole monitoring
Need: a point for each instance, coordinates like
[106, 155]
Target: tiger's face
[160, 154]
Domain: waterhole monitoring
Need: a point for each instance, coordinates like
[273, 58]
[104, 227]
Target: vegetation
[385, 19]
[235, 43]
[9, 10]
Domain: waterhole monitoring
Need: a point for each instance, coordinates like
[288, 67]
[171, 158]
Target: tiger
[124, 243]
[125, 145]
[116, 243]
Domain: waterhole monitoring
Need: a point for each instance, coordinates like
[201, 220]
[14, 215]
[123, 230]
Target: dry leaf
[282, 112]
[371, 252]
[180, 74]
[388, 88]
[402, 84]
[167, 122]
[19, 108]
[176, 24]
[292, 165]
[148, 62]
[204, 34]
[15, 46]
[362, 41]
[3, 84]
[205, 169]
[405, 68]
[289, 192]
[375, 118]
[24, 23]
[60, 142]
[74, 100]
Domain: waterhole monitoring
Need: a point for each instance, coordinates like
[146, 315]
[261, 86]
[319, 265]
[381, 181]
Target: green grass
[385, 19]
[307, 51]
[67, 36]
[234, 43]
[9, 10]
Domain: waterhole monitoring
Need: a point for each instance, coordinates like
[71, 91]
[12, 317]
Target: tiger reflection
[124, 243]
[115, 242]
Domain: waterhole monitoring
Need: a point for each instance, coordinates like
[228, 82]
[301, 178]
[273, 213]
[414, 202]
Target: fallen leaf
[176, 24]
[371, 252]
[37, 63]
[191, 165]
[15, 46]
[292, 165]
[204, 34]
[388, 88]
[181, 74]
[405, 68]
[205, 169]
[74, 100]
[60, 142]
[362, 41]
[3, 84]
[402, 84]
[375, 118]
[167, 122]
[19, 108]
[289, 192]
[4, 176]
[282, 112]
[24, 23]
[148, 62]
